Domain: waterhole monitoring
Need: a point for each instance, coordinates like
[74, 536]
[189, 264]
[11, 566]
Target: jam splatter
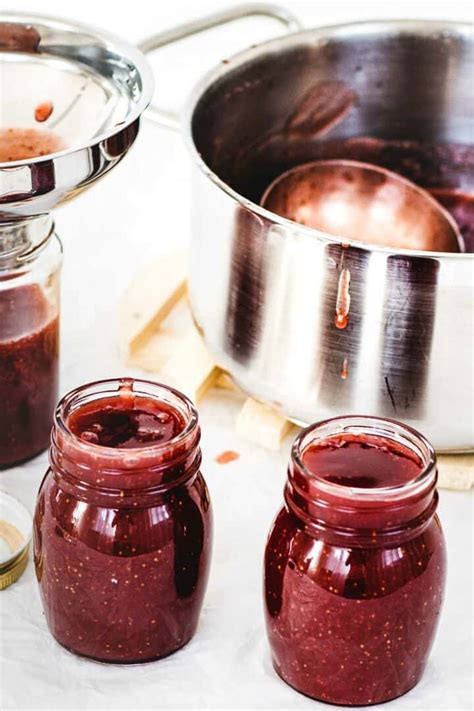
[43, 111]
[25, 143]
[227, 456]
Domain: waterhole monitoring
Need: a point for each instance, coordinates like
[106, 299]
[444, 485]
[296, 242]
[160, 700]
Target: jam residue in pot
[123, 524]
[355, 564]
[29, 354]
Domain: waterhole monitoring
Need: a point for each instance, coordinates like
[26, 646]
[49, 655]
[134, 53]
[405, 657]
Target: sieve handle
[169, 119]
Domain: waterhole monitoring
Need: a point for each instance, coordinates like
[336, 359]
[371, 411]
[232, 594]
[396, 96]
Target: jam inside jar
[123, 523]
[355, 562]
[30, 261]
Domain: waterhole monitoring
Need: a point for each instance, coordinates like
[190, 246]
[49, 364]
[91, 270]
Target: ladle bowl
[362, 202]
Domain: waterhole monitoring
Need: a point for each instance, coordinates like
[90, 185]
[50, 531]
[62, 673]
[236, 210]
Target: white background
[136, 213]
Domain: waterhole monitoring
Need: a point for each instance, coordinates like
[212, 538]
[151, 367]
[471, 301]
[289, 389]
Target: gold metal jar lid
[15, 536]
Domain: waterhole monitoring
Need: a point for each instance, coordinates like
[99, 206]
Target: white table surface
[139, 212]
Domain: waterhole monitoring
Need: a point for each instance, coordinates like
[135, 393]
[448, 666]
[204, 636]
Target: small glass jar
[30, 261]
[122, 536]
[355, 562]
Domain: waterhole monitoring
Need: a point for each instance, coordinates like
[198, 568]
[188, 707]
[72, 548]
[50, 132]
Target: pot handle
[169, 119]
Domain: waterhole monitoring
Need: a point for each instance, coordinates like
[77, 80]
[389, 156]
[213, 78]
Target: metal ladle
[363, 202]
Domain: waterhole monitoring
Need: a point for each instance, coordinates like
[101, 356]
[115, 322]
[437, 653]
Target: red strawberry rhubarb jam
[29, 356]
[355, 562]
[123, 528]
[109, 423]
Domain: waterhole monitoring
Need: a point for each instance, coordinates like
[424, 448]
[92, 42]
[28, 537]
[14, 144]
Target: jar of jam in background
[123, 525]
[30, 261]
[355, 562]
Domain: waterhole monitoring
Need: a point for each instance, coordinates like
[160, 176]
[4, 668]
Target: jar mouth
[364, 425]
[24, 239]
[116, 387]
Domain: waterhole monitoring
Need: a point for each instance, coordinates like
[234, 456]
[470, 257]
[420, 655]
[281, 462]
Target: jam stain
[26, 143]
[127, 423]
[227, 457]
[43, 111]
[18, 37]
[361, 462]
[29, 356]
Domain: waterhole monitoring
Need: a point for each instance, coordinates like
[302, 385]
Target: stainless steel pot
[301, 320]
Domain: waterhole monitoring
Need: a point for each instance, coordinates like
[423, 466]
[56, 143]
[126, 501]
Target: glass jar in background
[355, 562]
[123, 525]
[30, 262]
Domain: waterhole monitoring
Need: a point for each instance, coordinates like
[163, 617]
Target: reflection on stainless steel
[247, 289]
[358, 201]
[461, 206]
[408, 317]
[98, 85]
[407, 346]
[322, 107]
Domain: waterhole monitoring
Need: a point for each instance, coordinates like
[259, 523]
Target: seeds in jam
[123, 523]
[125, 423]
[354, 572]
[26, 143]
[361, 462]
[29, 356]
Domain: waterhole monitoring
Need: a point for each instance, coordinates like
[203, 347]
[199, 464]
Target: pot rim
[422, 27]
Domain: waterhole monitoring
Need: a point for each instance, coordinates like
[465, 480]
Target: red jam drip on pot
[29, 353]
[362, 462]
[122, 534]
[351, 612]
[112, 422]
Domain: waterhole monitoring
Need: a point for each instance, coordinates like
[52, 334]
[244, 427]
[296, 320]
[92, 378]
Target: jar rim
[113, 387]
[382, 427]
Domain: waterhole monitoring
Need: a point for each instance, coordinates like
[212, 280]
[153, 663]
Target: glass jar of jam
[123, 527]
[30, 261]
[355, 562]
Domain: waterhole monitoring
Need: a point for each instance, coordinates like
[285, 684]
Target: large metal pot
[265, 291]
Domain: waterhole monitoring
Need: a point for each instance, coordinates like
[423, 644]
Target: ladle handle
[169, 119]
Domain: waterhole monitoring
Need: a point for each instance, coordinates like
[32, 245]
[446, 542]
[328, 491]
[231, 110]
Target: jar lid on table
[15, 537]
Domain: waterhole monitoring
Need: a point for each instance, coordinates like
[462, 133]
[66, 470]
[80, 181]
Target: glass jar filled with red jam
[123, 526]
[30, 261]
[355, 562]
